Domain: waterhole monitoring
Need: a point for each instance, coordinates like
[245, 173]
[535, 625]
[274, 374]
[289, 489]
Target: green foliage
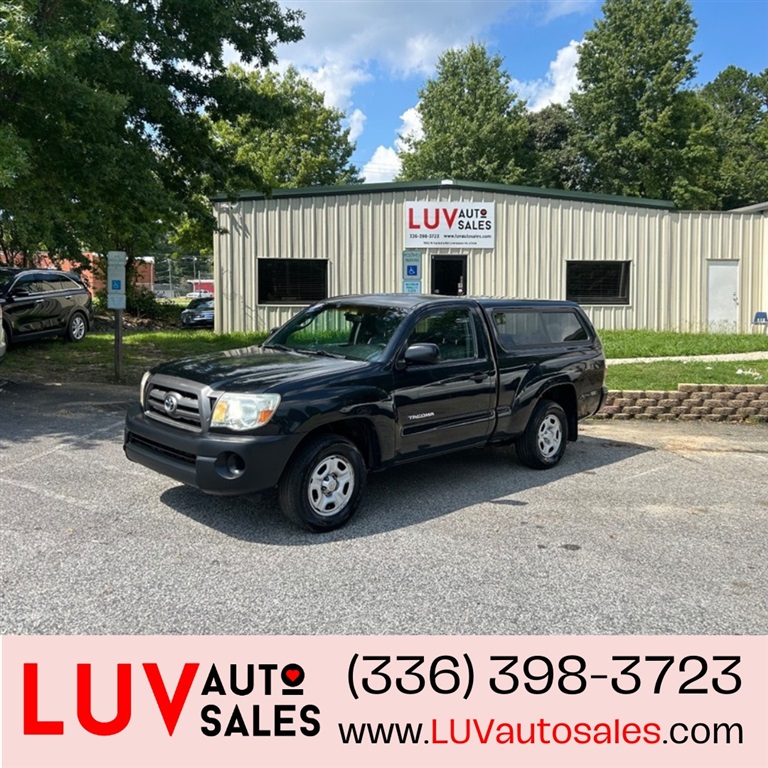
[640, 131]
[474, 126]
[141, 302]
[553, 157]
[102, 133]
[305, 145]
[739, 104]
[294, 140]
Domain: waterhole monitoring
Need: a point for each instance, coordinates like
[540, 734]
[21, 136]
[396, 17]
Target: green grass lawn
[620, 344]
[93, 359]
[667, 375]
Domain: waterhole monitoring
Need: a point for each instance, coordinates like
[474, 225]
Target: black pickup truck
[361, 383]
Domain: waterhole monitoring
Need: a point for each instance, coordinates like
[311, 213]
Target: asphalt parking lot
[644, 528]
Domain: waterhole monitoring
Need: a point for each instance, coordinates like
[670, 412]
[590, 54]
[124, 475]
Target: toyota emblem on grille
[171, 404]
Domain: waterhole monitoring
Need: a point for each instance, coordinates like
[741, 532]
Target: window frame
[624, 296]
[292, 281]
[542, 314]
[480, 353]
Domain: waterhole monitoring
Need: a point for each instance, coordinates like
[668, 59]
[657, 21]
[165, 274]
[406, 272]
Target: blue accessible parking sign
[412, 265]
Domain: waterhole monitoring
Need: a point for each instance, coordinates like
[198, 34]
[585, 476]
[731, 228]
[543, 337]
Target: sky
[371, 57]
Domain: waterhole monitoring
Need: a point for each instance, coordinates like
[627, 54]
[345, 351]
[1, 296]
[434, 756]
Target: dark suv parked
[44, 302]
[3, 342]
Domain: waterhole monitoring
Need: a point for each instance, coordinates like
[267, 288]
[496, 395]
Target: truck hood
[254, 368]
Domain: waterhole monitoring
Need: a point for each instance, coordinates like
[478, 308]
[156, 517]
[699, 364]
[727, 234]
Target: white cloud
[558, 8]
[383, 166]
[388, 31]
[356, 124]
[336, 81]
[410, 126]
[561, 80]
[343, 39]
[385, 163]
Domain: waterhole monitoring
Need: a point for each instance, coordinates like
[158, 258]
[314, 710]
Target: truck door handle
[479, 376]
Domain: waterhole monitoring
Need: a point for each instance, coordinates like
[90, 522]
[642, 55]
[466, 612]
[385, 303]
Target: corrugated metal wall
[362, 237]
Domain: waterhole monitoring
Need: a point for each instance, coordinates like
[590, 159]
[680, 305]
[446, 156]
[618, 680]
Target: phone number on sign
[446, 674]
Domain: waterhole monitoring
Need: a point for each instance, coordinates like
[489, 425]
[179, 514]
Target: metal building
[631, 262]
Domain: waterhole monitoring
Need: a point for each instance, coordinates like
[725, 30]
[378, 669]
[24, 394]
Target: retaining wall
[691, 402]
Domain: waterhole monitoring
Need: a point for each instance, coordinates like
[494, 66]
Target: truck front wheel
[324, 483]
[542, 445]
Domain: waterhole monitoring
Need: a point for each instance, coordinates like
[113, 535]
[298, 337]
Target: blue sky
[370, 57]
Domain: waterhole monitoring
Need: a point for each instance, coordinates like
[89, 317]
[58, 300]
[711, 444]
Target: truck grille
[176, 402]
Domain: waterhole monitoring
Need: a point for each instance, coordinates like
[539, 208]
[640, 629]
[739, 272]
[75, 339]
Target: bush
[142, 304]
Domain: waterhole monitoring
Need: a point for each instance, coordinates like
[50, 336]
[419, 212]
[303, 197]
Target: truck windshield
[339, 330]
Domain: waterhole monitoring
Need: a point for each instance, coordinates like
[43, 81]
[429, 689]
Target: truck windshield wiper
[304, 351]
[320, 353]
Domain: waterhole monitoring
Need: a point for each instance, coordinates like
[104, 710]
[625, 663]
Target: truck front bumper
[225, 465]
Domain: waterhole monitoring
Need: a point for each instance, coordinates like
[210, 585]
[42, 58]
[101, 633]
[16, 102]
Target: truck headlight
[143, 391]
[241, 412]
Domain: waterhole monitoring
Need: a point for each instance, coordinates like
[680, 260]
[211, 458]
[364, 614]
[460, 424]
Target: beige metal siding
[362, 238]
[699, 237]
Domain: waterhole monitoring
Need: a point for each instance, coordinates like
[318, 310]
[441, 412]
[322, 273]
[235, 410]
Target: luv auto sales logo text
[237, 699]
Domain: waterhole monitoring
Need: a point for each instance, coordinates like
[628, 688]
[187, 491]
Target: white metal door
[723, 296]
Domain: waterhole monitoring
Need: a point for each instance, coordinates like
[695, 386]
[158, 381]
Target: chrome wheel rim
[550, 436]
[331, 485]
[77, 327]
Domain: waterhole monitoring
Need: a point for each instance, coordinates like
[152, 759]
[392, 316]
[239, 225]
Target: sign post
[116, 300]
[412, 271]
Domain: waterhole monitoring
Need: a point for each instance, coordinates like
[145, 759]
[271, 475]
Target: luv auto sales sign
[440, 225]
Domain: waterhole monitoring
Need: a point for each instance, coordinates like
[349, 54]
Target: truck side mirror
[422, 354]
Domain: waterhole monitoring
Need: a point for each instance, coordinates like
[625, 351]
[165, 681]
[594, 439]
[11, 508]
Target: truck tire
[542, 445]
[324, 484]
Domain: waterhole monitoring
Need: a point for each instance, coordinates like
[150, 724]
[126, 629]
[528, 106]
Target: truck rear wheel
[324, 484]
[542, 445]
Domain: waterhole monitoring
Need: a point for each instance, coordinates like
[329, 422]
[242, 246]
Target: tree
[641, 132]
[302, 144]
[739, 103]
[103, 137]
[553, 157]
[473, 125]
[305, 145]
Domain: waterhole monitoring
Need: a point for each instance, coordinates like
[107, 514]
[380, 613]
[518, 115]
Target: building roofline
[431, 184]
[756, 208]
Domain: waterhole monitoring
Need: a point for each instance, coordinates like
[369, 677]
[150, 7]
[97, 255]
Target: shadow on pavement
[409, 495]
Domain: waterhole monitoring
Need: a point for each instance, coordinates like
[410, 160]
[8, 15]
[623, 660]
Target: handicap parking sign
[412, 265]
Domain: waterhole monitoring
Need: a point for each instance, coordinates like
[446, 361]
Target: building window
[597, 282]
[292, 281]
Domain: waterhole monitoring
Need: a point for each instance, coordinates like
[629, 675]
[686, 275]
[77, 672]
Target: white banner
[465, 225]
